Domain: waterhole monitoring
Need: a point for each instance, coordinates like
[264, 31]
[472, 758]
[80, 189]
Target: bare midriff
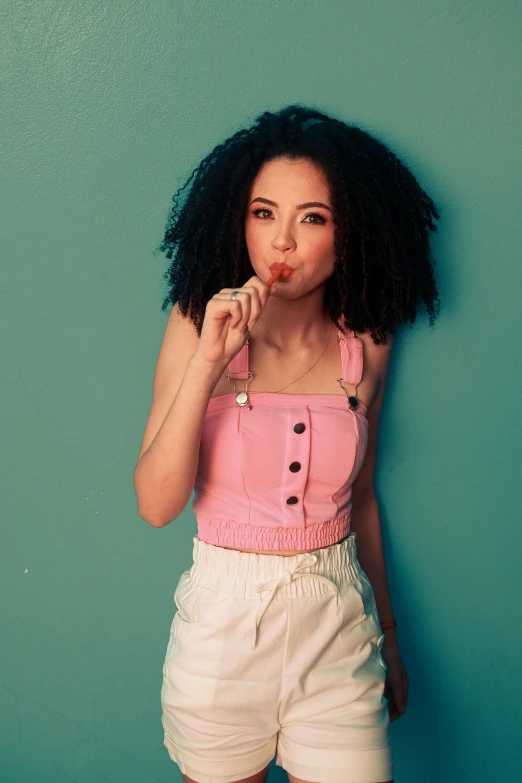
[265, 552]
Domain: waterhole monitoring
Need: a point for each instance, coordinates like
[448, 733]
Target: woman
[284, 640]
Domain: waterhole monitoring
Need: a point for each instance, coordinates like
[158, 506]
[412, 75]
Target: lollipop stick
[284, 274]
[275, 276]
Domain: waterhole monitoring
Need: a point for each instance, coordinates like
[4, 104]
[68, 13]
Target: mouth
[280, 271]
[280, 265]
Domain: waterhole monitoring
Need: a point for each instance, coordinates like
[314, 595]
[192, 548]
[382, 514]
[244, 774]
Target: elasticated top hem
[229, 533]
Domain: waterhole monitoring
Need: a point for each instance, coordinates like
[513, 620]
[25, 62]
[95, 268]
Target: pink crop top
[275, 474]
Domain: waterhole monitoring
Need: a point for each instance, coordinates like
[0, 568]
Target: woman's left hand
[396, 688]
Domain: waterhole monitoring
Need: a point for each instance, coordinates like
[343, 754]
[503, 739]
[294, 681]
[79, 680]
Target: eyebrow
[299, 206]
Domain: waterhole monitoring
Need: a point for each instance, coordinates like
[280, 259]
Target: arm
[365, 508]
[166, 469]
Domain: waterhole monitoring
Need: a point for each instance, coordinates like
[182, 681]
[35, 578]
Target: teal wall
[106, 107]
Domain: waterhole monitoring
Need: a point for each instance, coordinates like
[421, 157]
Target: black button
[354, 403]
[292, 500]
[294, 467]
[299, 427]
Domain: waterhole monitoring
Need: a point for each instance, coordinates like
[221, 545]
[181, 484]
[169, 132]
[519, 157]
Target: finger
[256, 284]
[393, 702]
[252, 304]
[237, 307]
[393, 711]
[223, 306]
[246, 304]
[236, 313]
[398, 696]
[256, 305]
[262, 287]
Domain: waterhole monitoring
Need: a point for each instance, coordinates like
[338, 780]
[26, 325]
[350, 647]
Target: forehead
[287, 176]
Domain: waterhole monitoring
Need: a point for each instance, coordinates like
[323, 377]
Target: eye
[314, 215]
[257, 212]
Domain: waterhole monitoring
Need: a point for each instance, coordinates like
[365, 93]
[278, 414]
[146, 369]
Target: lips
[281, 265]
[280, 271]
[285, 270]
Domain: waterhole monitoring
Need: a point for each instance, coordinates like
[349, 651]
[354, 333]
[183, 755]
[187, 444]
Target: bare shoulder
[179, 329]
[183, 322]
[377, 357]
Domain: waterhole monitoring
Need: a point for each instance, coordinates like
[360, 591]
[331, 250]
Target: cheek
[255, 240]
[322, 245]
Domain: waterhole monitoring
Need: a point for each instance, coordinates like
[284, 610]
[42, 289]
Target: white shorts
[272, 655]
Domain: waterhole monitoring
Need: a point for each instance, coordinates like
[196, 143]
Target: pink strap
[238, 367]
[351, 355]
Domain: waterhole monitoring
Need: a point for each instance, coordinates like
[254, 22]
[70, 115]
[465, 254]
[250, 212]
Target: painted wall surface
[106, 107]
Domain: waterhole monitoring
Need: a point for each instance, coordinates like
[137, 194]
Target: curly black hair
[382, 219]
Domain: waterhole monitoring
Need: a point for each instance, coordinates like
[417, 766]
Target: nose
[283, 238]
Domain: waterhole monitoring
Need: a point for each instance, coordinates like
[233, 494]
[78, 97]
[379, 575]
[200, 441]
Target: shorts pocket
[363, 577]
[351, 605]
[364, 588]
[370, 611]
[192, 600]
[378, 645]
[179, 596]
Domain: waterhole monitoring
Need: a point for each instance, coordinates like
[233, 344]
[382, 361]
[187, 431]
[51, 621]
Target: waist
[231, 534]
[291, 553]
[239, 573]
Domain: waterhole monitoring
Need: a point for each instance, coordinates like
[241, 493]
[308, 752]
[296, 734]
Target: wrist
[207, 370]
[389, 637]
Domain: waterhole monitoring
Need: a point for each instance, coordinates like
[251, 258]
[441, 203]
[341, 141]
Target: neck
[288, 326]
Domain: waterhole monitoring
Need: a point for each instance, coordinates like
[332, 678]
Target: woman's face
[289, 219]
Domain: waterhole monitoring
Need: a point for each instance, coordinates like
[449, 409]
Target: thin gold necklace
[311, 368]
